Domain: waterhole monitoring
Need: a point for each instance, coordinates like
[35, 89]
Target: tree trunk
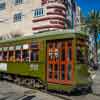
[95, 49]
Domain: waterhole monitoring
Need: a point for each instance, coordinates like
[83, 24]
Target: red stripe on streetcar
[49, 26]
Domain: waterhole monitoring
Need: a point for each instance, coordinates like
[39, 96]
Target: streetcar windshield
[81, 54]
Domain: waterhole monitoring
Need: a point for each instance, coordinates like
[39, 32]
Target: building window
[17, 2]
[2, 6]
[38, 12]
[17, 17]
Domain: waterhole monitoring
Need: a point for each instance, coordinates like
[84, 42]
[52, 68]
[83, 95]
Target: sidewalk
[95, 75]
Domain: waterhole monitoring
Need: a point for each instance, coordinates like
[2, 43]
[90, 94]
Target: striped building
[50, 16]
[26, 17]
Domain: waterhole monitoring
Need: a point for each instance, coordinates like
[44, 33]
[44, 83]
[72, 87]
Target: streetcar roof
[69, 34]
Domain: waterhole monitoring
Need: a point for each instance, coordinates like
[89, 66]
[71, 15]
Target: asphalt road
[9, 91]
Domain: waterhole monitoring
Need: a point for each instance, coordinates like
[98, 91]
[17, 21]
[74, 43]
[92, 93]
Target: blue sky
[87, 5]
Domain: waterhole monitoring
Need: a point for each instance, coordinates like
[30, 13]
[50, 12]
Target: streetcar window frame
[20, 48]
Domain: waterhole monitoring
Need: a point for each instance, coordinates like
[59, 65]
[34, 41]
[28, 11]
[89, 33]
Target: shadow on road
[74, 93]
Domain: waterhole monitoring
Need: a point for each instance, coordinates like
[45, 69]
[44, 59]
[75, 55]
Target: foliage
[93, 24]
[93, 21]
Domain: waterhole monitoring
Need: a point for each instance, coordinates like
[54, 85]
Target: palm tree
[93, 23]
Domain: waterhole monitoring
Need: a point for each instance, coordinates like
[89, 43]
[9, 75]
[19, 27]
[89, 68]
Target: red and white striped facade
[53, 18]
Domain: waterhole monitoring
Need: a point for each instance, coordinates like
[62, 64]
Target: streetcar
[55, 60]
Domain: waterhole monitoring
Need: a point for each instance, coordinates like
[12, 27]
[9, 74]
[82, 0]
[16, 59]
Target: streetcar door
[59, 61]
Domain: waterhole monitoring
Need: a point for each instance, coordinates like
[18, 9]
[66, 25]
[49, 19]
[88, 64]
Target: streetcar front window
[50, 68]
[63, 71]
[56, 72]
[69, 54]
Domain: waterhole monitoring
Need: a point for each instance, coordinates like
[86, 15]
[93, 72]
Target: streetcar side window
[5, 55]
[34, 55]
[18, 55]
[25, 52]
[11, 56]
[25, 55]
[80, 54]
[1, 58]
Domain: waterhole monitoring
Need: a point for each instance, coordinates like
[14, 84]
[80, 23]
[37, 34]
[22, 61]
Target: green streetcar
[51, 60]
